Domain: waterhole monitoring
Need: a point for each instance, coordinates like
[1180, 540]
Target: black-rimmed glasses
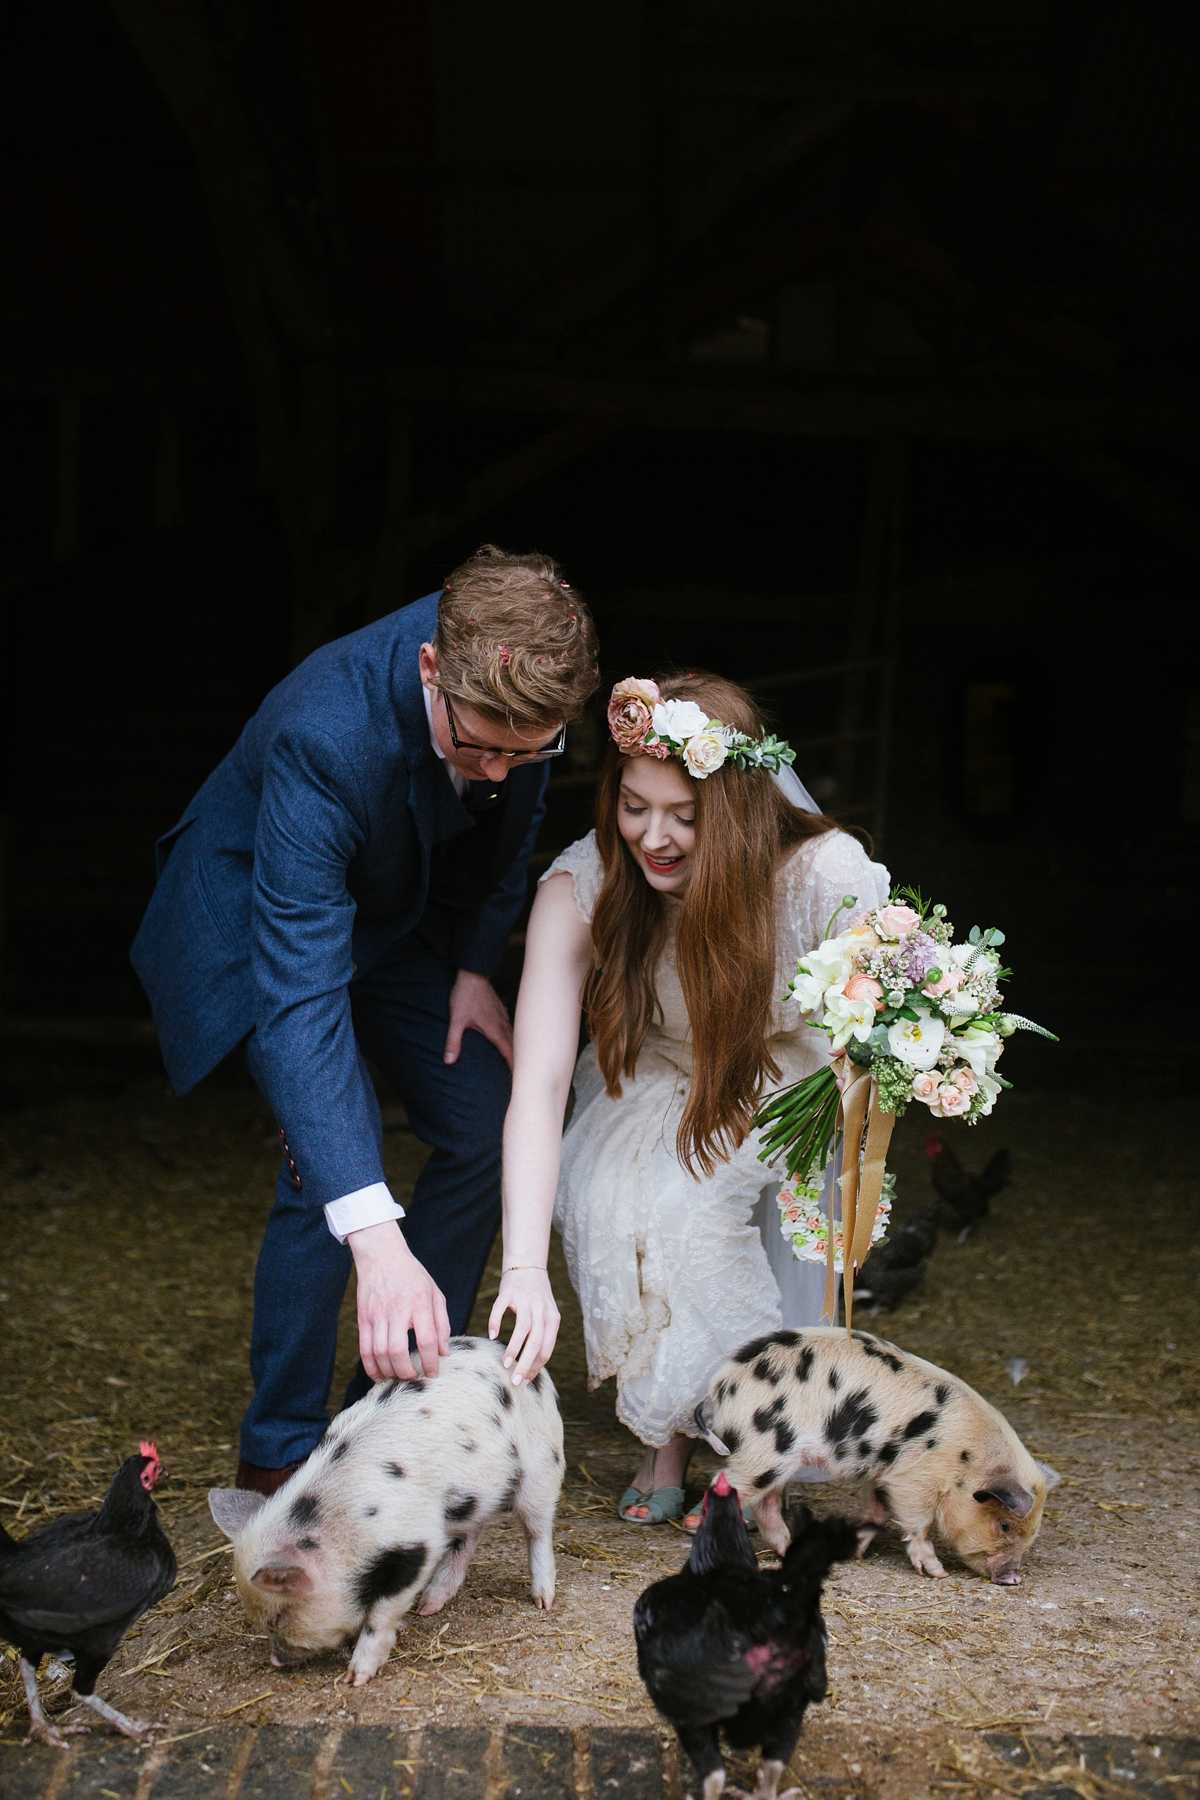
[513, 756]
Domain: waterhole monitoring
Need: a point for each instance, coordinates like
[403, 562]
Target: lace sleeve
[582, 862]
[820, 875]
[813, 884]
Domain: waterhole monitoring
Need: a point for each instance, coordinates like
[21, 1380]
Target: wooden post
[389, 565]
[891, 607]
[67, 476]
[879, 527]
[168, 510]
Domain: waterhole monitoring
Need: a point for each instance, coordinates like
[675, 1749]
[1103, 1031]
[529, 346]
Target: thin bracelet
[514, 1267]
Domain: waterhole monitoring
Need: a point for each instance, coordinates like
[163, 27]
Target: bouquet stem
[801, 1121]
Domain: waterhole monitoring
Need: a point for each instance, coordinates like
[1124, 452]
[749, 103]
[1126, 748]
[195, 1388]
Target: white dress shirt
[373, 1205]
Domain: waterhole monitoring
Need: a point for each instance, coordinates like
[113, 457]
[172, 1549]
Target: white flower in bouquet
[990, 1089]
[860, 939]
[848, 1018]
[827, 967]
[978, 1048]
[918, 1041]
[678, 720]
[705, 751]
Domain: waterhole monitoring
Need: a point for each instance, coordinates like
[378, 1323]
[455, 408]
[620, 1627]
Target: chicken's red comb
[149, 1450]
[721, 1484]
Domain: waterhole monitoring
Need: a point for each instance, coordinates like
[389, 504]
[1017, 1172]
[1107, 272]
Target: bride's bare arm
[558, 949]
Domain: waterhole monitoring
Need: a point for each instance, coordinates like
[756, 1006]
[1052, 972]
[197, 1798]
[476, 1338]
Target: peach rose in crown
[897, 921]
[925, 1087]
[965, 1081]
[630, 710]
[865, 987]
[952, 1101]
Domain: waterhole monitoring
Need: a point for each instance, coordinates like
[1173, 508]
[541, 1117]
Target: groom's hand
[396, 1294]
[476, 1006]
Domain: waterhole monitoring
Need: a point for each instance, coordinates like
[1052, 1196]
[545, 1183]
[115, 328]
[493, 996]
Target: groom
[346, 882]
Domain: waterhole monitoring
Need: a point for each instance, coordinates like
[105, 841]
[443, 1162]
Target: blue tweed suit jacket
[329, 831]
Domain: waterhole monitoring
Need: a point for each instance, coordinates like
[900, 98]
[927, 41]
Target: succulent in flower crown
[642, 723]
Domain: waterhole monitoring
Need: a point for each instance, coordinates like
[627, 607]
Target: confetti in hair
[505, 656]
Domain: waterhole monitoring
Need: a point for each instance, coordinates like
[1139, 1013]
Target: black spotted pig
[390, 1505]
[817, 1405]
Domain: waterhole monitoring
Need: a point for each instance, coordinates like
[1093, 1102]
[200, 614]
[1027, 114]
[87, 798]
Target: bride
[675, 927]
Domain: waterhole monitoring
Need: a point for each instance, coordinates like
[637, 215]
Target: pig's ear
[1009, 1492]
[233, 1508]
[1050, 1476]
[282, 1578]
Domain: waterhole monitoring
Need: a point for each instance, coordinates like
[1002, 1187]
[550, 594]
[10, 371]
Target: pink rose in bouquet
[951, 1101]
[865, 987]
[897, 921]
[950, 982]
[925, 1087]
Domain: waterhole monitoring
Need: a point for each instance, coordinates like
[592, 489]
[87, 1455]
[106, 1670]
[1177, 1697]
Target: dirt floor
[131, 1225]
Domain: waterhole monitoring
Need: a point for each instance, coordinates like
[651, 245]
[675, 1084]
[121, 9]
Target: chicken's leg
[41, 1731]
[767, 1785]
[133, 1728]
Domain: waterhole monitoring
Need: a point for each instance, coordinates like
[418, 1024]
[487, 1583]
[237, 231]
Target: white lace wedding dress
[673, 1273]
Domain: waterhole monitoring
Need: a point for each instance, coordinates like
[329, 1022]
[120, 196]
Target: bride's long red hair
[724, 936]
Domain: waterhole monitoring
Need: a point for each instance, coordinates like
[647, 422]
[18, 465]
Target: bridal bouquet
[918, 1014]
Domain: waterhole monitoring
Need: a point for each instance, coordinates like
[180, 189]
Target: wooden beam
[509, 476]
[694, 402]
[867, 84]
[608, 270]
[405, 536]
[1135, 495]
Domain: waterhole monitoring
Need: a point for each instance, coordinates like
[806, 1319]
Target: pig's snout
[1004, 1570]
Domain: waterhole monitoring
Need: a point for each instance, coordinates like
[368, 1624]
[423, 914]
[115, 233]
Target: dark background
[805, 335]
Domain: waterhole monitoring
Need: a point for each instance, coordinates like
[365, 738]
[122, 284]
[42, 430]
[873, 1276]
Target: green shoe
[663, 1504]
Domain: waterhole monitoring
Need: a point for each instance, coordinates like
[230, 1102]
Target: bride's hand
[527, 1294]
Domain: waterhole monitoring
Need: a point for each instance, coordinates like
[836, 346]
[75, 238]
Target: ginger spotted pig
[817, 1405]
[389, 1507]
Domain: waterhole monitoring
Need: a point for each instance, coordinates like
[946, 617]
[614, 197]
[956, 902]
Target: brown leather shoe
[264, 1481]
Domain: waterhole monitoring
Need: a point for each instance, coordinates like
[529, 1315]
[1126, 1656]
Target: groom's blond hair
[515, 640]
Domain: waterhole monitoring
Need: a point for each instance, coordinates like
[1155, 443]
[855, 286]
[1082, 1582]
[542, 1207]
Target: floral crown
[644, 724]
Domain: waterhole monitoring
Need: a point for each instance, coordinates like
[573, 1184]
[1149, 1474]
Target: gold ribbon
[861, 1184]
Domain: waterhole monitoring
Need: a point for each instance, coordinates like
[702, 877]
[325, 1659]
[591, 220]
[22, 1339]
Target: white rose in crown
[918, 1041]
[678, 720]
[705, 752]
[826, 967]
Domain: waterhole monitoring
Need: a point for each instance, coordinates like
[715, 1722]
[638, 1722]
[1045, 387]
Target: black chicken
[965, 1194]
[894, 1268]
[75, 1587]
[727, 1646]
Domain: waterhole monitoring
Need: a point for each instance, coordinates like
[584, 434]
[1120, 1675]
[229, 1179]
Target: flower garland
[642, 723]
[805, 1227]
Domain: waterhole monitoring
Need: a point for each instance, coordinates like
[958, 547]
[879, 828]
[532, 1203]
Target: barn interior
[850, 350]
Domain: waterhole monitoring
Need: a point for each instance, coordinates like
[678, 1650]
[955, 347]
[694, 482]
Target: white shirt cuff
[365, 1206]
